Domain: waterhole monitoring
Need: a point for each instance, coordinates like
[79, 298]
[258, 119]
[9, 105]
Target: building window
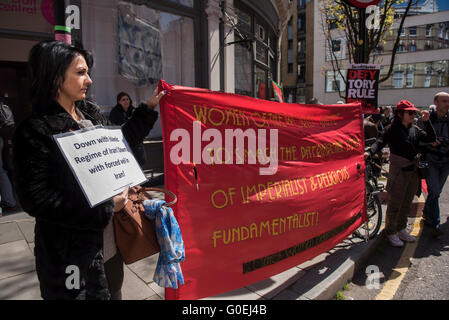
[412, 47]
[428, 45]
[301, 72]
[301, 4]
[337, 50]
[440, 33]
[412, 31]
[428, 30]
[401, 47]
[255, 58]
[428, 72]
[243, 59]
[335, 83]
[290, 30]
[290, 68]
[409, 78]
[398, 79]
[261, 83]
[301, 49]
[402, 32]
[301, 23]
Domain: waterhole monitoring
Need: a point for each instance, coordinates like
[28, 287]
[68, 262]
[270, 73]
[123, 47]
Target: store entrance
[14, 85]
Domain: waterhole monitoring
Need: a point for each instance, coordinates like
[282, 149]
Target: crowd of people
[419, 149]
[69, 232]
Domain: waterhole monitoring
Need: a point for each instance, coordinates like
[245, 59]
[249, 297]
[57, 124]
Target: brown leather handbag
[134, 233]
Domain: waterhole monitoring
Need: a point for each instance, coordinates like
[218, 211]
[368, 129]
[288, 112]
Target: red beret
[406, 105]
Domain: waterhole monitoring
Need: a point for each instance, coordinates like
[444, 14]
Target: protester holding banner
[69, 234]
[121, 113]
[403, 139]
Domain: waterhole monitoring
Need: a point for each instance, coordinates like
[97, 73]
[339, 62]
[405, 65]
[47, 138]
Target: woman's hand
[155, 98]
[121, 200]
[425, 115]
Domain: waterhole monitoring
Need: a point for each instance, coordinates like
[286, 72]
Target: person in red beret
[404, 139]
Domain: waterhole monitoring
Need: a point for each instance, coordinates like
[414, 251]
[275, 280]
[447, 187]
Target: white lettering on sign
[73, 20]
[373, 19]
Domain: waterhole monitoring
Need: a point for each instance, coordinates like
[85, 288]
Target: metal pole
[68, 21]
[362, 35]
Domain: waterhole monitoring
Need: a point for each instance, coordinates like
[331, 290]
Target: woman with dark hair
[120, 114]
[71, 242]
[404, 139]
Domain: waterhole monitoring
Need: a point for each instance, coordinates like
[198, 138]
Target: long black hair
[47, 64]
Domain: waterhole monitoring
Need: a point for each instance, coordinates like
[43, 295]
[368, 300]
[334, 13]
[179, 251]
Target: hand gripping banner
[262, 186]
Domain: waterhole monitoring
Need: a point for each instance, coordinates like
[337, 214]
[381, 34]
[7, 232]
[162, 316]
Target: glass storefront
[255, 54]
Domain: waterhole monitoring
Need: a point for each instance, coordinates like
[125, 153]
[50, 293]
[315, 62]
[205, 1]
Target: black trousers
[114, 274]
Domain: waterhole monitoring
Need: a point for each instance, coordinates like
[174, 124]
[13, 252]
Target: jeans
[438, 173]
[6, 192]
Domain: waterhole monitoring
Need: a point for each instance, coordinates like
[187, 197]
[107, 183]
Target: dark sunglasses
[411, 113]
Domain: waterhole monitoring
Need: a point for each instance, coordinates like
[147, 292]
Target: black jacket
[441, 126]
[68, 232]
[404, 142]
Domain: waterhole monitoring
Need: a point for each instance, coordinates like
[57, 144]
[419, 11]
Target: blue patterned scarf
[168, 270]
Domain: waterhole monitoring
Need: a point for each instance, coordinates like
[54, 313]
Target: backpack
[6, 120]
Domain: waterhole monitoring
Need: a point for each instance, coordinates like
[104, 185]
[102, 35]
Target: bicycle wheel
[374, 213]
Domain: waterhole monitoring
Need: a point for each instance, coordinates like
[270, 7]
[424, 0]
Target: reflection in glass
[261, 83]
[243, 62]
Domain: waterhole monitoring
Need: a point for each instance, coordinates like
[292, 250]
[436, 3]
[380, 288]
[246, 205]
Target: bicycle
[373, 187]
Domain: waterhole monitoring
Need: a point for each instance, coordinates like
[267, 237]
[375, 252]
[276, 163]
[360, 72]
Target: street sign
[362, 3]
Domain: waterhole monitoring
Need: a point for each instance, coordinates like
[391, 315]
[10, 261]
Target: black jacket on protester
[119, 117]
[404, 142]
[439, 153]
[68, 232]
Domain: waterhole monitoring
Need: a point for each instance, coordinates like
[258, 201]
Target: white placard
[101, 161]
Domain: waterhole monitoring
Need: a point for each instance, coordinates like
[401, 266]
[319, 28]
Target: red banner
[261, 186]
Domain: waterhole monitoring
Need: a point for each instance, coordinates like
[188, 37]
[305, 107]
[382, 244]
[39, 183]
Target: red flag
[277, 92]
[262, 186]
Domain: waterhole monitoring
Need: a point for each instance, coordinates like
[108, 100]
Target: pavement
[317, 279]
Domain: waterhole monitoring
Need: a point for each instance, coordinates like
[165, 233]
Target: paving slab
[272, 286]
[10, 232]
[134, 288]
[145, 268]
[27, 229]
[15, 258]
[21, 287]
[159, 290]
[238, 294]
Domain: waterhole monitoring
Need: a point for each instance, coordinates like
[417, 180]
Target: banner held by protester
[261, 186]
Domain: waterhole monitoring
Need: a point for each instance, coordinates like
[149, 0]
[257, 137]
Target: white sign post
[101, 161]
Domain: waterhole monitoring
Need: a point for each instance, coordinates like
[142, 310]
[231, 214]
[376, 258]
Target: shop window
[243, 63]
[261, 83]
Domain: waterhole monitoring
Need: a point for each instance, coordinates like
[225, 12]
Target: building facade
[420, 68]
[297, 45]
[227, 45]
